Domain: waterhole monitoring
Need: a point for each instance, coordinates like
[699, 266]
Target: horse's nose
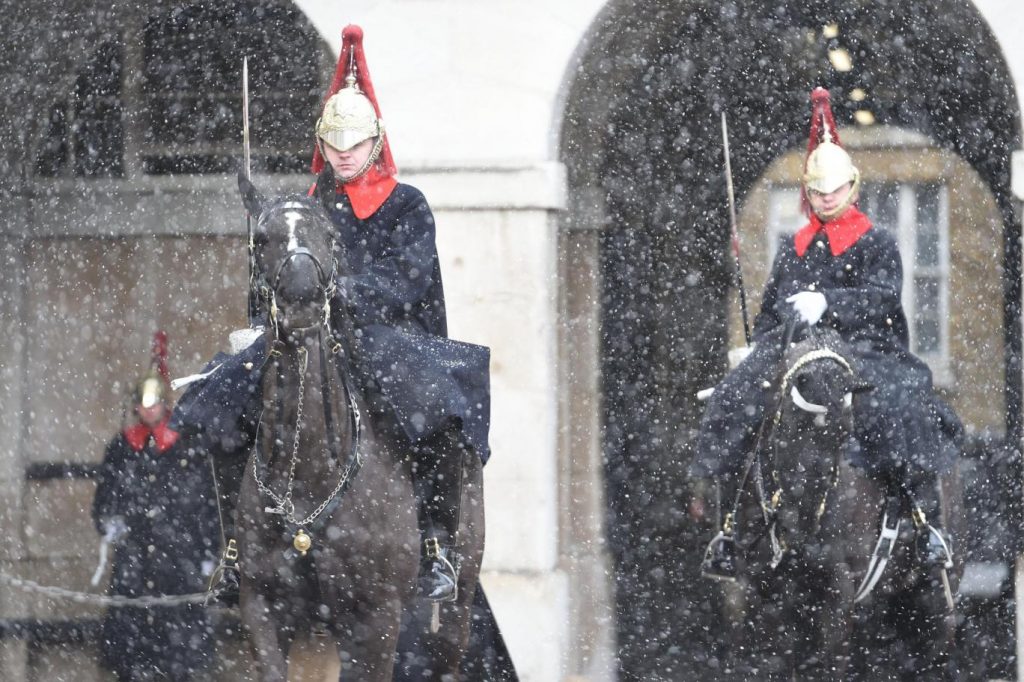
[299, 281]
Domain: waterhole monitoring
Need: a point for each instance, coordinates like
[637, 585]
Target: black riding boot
[720, 555]
[228, 470]
[933, 544]
[437, 481]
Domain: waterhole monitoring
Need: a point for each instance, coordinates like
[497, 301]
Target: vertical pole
[251, 300]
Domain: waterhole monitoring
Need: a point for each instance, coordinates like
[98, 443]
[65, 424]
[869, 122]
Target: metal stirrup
[880, 557]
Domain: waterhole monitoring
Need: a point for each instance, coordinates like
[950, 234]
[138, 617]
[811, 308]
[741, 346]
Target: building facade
[572, 155]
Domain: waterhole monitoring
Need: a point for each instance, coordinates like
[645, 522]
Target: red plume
[159, 359]
[352, 53]
[821, 116]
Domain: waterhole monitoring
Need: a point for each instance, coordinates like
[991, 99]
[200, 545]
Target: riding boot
[225, 579]
[719, 561]
[437, 481]
[933, 544]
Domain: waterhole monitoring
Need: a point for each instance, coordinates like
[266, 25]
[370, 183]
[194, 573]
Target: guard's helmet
[351, 113]
[828, 166]
[348, 118]
[150, 390]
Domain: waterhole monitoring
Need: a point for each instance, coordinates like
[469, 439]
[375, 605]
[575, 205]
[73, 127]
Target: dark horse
[808, 535]
[327, 523]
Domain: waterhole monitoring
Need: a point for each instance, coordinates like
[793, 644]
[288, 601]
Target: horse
[819, 596]
[327, 523]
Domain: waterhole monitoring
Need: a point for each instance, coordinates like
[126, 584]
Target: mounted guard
[838, 271]
[433, 391]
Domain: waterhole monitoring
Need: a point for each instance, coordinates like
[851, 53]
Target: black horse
[327, 522]
[820, 597]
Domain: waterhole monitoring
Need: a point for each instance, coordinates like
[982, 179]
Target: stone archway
[641, 142]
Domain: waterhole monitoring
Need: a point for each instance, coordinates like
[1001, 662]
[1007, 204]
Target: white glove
[738, 355]
[809, 305]
[114, 529]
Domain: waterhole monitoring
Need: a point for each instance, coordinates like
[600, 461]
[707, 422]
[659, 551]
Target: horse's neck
[302, 375]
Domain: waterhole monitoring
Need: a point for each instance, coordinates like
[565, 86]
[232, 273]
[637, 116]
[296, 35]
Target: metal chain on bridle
[285, 506]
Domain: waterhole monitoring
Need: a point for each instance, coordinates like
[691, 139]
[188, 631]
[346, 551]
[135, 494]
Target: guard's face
[349, 162]
[152, 415]
[825, 204]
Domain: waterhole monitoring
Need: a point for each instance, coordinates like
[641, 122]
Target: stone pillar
[582, 507]
[497, 233]
[1017, 186]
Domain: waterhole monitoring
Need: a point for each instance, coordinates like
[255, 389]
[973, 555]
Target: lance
[251, 301]
[735, 234]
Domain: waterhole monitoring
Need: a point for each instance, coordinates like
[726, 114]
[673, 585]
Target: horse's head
[819, 379]
[293, 253]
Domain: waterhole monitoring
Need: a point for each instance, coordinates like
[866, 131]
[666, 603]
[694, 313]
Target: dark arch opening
[642, 144]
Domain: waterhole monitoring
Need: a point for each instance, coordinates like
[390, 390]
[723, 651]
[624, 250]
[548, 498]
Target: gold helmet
[351, 113]
[349, 118]
[150, 390]
[829, 167]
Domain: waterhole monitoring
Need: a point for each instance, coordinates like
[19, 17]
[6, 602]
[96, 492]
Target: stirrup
[439, 572]
[720, 558]
[933, 550]
[226, 578]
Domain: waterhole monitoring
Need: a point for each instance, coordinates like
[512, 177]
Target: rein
[770, 504]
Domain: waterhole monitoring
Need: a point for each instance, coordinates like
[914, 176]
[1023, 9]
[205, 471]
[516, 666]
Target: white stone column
[1017, 186]
[497, 234]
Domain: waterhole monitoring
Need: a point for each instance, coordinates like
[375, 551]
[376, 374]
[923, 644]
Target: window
[172, 104]
[87, 134]
[918, 215]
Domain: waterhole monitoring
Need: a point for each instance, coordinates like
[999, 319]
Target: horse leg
[367, 648]
[268, 641]
[929, 628]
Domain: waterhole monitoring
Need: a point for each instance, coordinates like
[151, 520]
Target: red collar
[368, 192]
[842, 232]
[163, 435]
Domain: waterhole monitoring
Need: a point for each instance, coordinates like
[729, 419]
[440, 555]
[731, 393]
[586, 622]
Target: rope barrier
[26, 585]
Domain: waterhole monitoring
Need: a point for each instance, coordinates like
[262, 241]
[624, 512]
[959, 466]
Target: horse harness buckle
[231, 551]
[432, 548]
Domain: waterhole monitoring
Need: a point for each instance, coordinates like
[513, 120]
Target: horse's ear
[251, 196]
[325, 183]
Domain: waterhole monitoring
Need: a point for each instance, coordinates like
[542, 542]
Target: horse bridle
[267, 290]
[770, 504]
[284, 507]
